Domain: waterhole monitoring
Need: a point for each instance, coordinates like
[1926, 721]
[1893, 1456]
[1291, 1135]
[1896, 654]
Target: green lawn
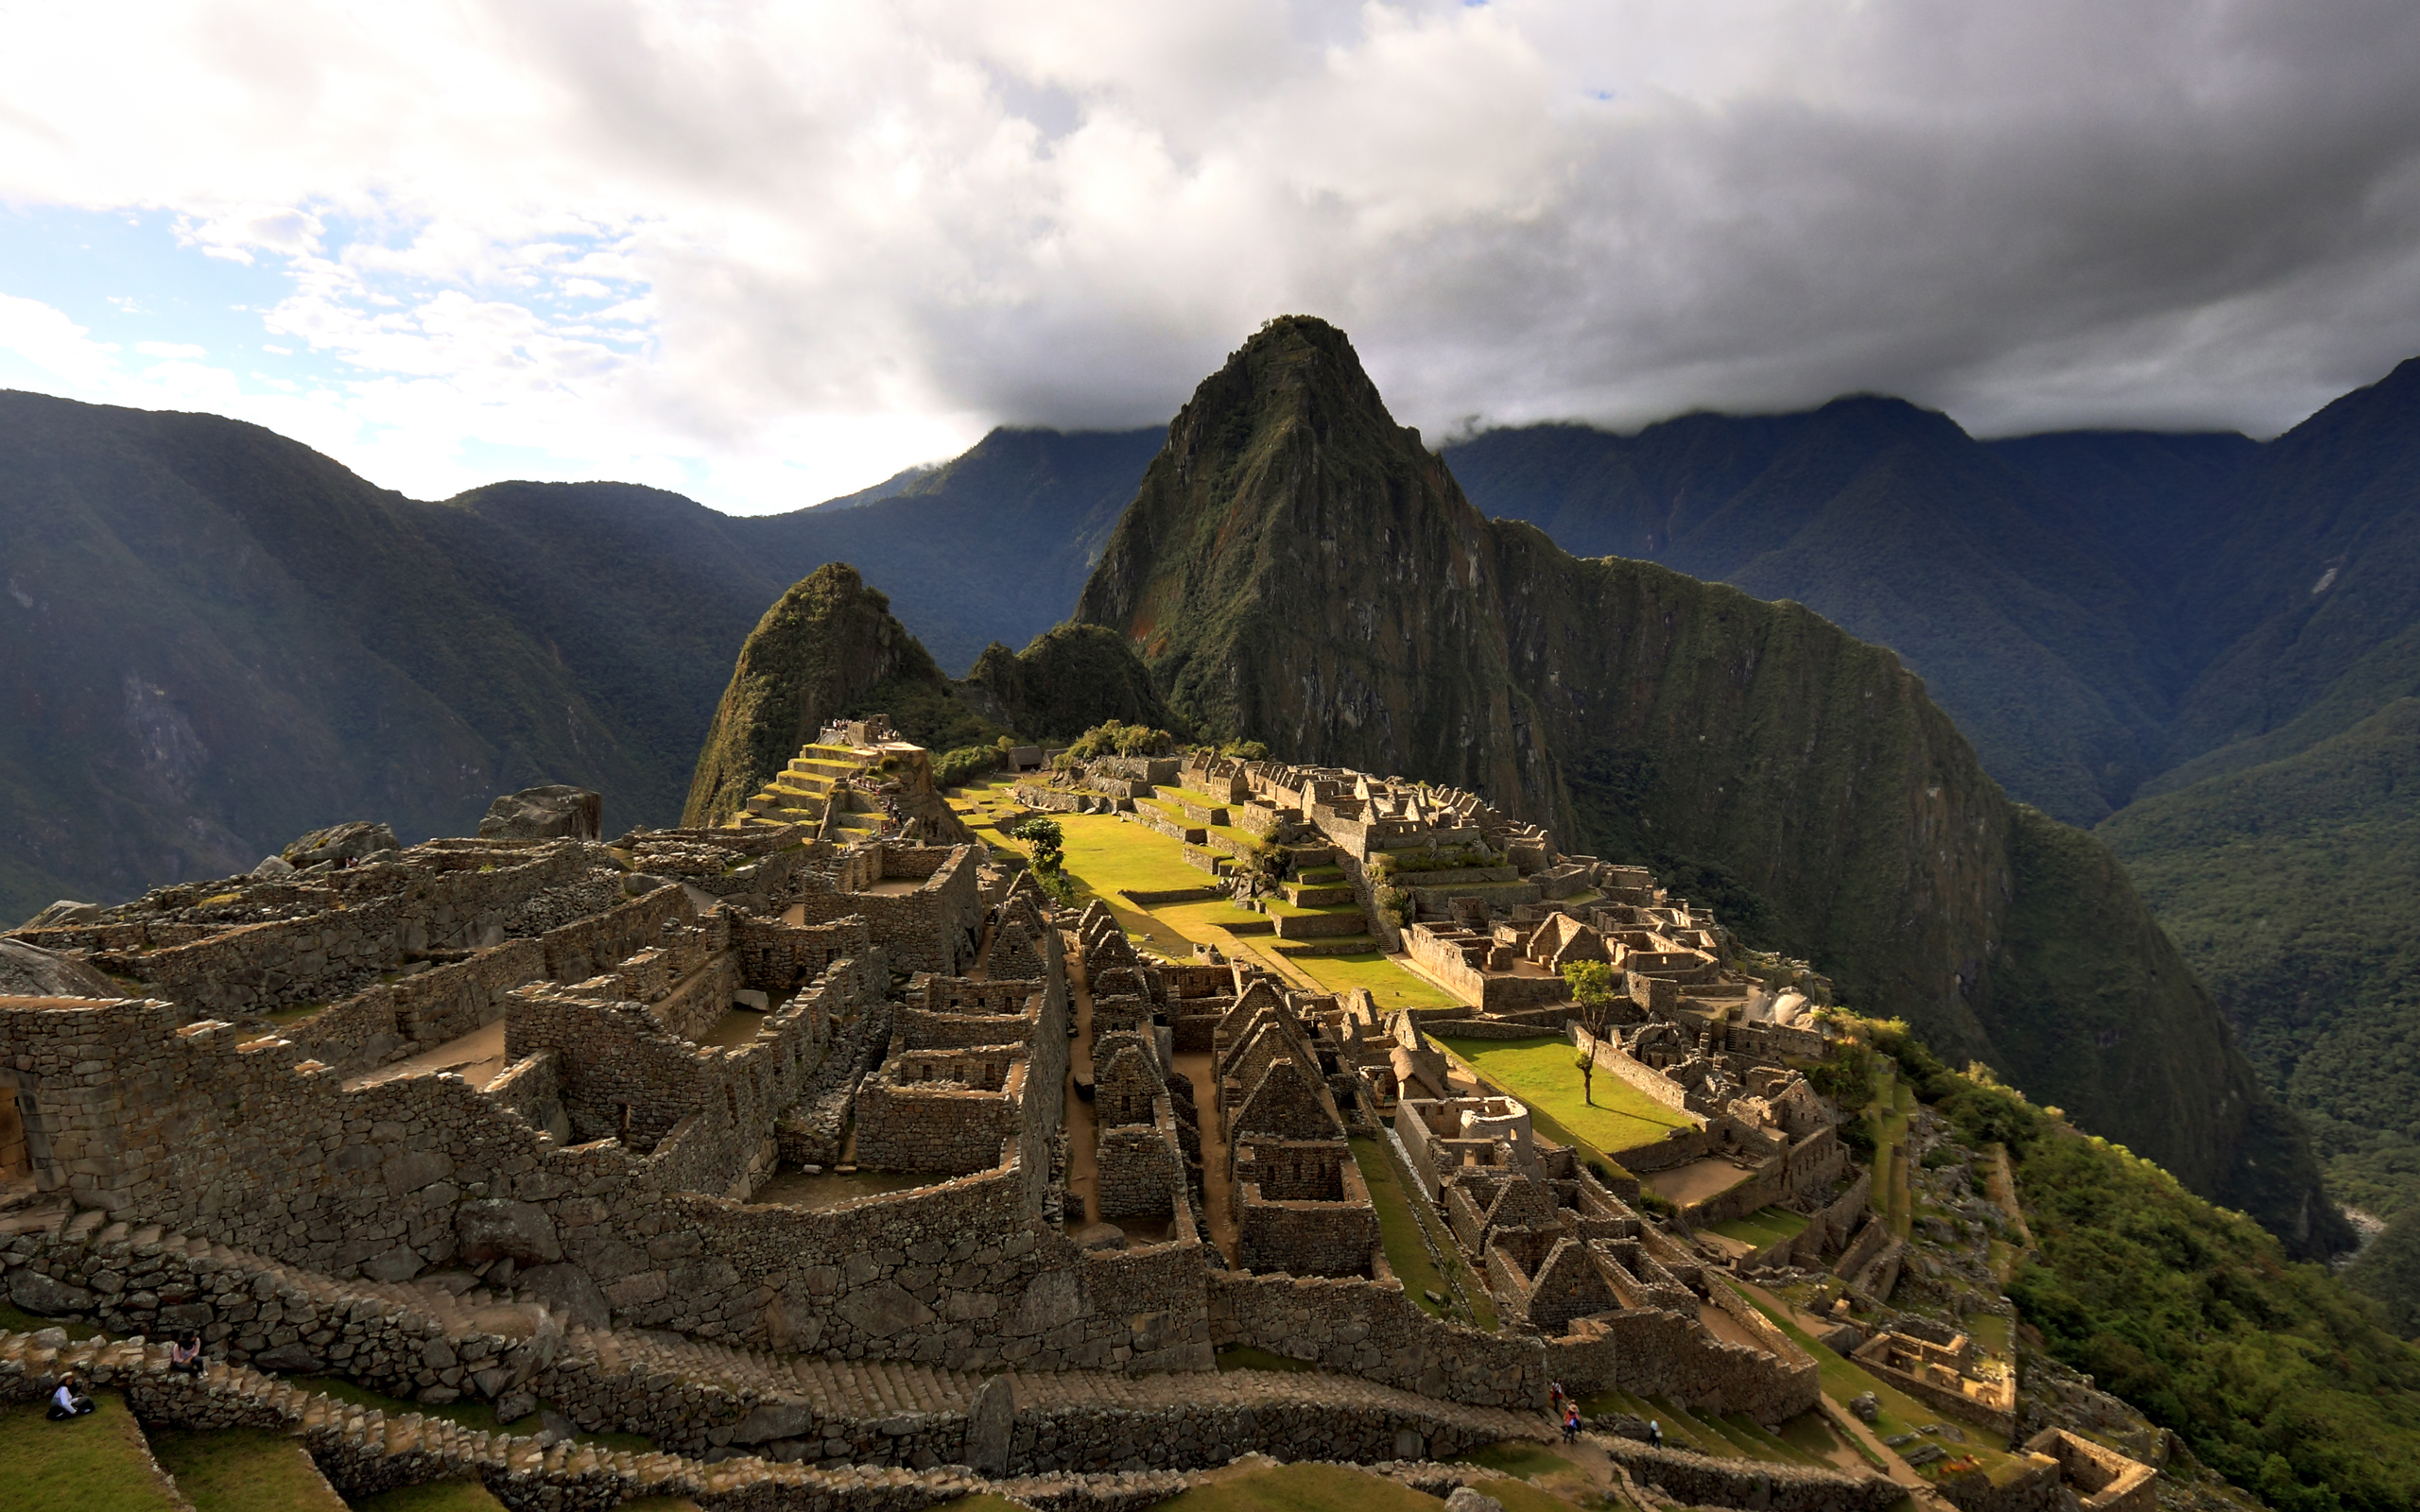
[1105, 854]
[1540, 1073]
[1769, 1227]
[1399, 1227]
[244, 1469]
[90, 1464]
[1390, 984]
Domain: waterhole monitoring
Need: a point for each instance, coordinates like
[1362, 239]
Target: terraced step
[1334, 945]
[1319, 925]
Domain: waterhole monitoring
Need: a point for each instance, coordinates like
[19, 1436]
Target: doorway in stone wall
[16, 1151]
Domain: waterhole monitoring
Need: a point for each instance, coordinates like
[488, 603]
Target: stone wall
[391, 911]
[1697, 1480]
[1369, 1329]
[953, 1112]
[2102, 1478]
[1611, 1057]
[390, 1021]
[778, 958]
[931, 929]
[279, 1158]
[1139, 1170]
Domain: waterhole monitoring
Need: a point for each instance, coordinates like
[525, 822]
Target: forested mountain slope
[1297, 568]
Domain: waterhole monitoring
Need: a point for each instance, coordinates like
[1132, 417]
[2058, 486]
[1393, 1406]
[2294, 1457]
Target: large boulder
[43, 1296]
[340, 842]
[67, 911]
[555, 812]
[28, 972]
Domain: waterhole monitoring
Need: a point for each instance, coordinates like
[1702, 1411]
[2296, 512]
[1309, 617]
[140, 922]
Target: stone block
[492, 1230]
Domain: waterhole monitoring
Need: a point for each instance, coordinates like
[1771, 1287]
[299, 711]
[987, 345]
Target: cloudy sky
[765, 253]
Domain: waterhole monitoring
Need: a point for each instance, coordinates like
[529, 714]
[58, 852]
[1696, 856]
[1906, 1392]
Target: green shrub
[969, 761]
[1109, 738]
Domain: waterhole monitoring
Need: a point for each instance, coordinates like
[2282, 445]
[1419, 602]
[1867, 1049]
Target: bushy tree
[1594, 989]
[1044, 844]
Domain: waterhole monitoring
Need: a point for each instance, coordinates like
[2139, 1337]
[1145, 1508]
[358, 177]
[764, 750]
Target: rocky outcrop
[1300, 569]
[28, 972]
[559, 812]
[340, 842]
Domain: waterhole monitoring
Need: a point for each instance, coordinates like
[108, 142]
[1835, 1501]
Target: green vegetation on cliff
[829, 648]
[1300, 569]
[2274, 1372]
[2290, 886]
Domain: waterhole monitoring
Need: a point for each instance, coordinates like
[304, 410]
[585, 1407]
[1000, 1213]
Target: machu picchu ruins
[835, 1154]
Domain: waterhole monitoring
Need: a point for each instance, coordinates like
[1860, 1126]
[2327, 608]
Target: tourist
[67, 1401]
[185, 1355]
[1555, 1389]
[1570, 1422]
[1654, 1434]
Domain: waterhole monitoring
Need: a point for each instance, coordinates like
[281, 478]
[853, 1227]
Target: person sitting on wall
[185, 1355]
[68, 1400]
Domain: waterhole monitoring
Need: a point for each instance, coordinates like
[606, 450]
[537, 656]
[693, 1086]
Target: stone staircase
[801, 792]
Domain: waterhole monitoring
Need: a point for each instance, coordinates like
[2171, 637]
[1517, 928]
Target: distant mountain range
[217, 638]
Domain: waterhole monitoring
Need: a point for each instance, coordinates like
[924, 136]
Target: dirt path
[1218, 1197]
[1083, 1133]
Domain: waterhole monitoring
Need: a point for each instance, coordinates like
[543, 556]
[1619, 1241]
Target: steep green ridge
[2031, 624]
[1298, 570]
[2291, 886]
[830, 648]
[2307, 588]
[218, 639]
[2273, 1373]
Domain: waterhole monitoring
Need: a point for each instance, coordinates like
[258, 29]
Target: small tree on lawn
[1044, 842]
[1591, 989]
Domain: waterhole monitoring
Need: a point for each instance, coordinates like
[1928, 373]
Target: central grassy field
[1105, 854]
[1540, 1074]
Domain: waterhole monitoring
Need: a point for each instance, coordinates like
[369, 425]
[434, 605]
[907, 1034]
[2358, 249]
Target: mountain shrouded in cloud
[765, 254]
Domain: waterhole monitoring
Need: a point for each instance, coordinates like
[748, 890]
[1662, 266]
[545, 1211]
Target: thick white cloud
[770, 251]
